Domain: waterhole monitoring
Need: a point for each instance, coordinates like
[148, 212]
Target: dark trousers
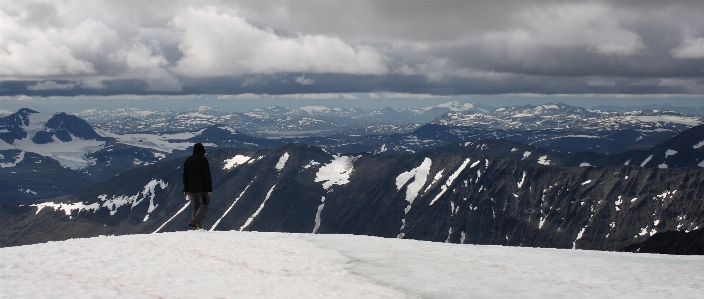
[200, 202]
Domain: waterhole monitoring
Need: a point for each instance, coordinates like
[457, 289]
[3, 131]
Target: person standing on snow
[197, 184]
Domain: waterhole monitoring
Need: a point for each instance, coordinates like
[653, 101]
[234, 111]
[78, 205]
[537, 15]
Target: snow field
[277, 265]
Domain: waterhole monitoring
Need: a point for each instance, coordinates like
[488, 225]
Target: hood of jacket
[199, 149]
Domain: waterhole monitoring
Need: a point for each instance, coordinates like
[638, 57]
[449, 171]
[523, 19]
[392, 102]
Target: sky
[608, 51]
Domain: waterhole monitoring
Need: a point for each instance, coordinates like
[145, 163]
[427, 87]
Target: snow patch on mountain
[18, 159]
[166, 143]
[68, 208]
[420, 176]
[71, 154]
[282, 161]
[235, 161]
[670, 153]
[116, 201]
[526, 154]
[543, 160]
[698, 145]
[337, 172]
[685, 120]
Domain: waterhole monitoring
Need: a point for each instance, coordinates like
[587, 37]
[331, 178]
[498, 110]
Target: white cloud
[219, 43]
[690, 48]
[51, 85]
[591, 26]
[304, 81]
[439, 69]
[143, 62]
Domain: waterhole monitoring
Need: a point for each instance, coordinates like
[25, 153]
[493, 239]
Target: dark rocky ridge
[490, 201]
[671, 242]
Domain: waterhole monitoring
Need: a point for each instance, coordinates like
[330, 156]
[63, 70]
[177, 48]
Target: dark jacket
[196, 172]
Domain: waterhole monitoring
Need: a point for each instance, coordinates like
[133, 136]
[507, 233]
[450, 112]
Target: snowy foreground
[198, 264]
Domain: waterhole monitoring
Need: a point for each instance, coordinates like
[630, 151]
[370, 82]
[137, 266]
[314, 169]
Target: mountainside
[430, 195]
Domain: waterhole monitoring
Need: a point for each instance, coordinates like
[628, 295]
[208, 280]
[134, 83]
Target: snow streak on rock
[172, 217]
[520, 184]
[646, 161]
[231, 206]
[317, 215]
[337, 172]
[450, 180]
[420, 176]
[251, 218]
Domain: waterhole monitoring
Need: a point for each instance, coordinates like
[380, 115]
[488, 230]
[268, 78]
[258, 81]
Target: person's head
[198, 149]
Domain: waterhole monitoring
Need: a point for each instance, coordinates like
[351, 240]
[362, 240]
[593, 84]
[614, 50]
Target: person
[197, 184]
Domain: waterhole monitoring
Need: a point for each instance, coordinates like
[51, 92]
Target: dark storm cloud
[279, 47]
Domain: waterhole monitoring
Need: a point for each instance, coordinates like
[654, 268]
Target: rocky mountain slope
[430, 195]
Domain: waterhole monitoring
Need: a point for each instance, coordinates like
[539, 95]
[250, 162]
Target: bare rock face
[671, 242]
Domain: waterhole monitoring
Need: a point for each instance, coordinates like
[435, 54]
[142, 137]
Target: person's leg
[204, 200]
[195, 203]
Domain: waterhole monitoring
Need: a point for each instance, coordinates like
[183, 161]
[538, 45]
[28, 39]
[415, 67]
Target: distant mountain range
[432, 195]
[65, 154]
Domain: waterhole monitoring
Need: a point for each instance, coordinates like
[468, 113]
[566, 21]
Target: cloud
[363, 46]
[51, 85]
[219, 43]
[303, 80]
[591, 26]
[690, 48]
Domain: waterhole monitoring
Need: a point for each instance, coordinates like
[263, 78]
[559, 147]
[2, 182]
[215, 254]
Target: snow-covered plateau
[228, 264]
